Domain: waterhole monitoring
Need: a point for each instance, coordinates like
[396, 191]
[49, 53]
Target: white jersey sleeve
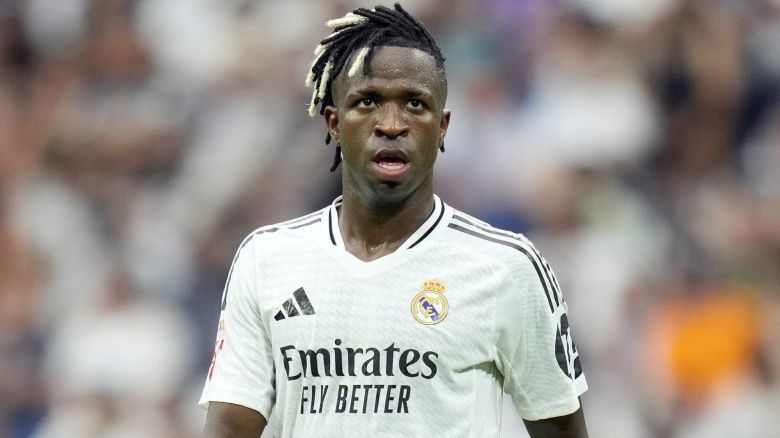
[536, 355]
[242, 368]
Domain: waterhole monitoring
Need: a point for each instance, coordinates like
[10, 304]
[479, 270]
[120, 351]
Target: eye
[414, 103]
[366, 102]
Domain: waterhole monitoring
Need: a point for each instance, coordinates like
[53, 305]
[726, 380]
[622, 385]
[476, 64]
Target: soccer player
[389, 313]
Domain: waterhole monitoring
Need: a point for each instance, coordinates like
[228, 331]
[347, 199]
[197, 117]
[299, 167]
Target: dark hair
[361, 31]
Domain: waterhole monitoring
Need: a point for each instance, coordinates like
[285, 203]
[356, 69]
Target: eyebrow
[406, 92]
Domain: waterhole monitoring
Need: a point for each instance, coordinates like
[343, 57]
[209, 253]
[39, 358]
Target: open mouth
[391, 163]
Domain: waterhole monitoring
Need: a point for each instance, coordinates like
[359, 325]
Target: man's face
[389, 125]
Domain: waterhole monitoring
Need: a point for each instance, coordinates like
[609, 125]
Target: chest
[436, 301]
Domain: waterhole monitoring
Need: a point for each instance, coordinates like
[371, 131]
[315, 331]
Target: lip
[390, 174]
[393, 171]
[391, 153]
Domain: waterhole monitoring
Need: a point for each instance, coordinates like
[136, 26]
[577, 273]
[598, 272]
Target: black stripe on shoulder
[300, 219]
[522, 249]
[309, 219]
[304, 224]
[484, 227]
[551, 280]
[290, 225]
[430, 230]
[232, 265]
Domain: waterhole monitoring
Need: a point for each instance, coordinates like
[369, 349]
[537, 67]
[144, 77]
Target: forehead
[396, 66]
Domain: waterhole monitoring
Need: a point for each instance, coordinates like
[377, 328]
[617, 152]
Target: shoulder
[279, 233]
[516, 252]
[507, 246]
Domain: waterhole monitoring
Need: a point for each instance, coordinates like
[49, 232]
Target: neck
[371, 231]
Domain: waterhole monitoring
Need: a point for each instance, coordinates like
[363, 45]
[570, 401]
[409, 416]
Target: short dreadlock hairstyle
[361, 31]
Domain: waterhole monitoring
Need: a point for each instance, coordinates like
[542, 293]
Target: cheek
[354, 127]
[430, 130]
[353, 136]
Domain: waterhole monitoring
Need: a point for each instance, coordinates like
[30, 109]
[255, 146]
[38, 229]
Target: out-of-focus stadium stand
[637, 143]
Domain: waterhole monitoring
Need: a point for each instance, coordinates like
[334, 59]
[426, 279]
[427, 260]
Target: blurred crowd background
[636, 142]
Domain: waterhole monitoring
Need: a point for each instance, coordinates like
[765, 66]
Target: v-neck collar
[438, 218]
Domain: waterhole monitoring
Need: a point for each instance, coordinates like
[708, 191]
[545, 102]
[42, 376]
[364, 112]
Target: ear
[332, 121]
[445, 123]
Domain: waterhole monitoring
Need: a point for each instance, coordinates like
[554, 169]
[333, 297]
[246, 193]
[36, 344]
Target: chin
[388, 195]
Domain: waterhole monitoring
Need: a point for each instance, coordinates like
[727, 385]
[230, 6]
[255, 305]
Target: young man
[389, 313]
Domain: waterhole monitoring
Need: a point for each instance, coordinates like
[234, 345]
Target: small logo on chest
[430, 306]
[295, 306]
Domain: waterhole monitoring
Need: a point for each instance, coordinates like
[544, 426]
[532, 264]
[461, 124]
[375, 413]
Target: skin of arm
[227, 420]
[566, 426]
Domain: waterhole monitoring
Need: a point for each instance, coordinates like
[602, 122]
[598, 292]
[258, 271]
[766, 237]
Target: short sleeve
[242, 369]
[535, 351]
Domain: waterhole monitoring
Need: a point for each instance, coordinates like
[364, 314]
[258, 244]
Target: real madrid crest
[430, 306]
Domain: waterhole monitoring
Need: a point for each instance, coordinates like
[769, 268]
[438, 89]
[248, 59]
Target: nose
[391, 122]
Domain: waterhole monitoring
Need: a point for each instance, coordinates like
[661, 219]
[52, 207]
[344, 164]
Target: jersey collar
[438, 218]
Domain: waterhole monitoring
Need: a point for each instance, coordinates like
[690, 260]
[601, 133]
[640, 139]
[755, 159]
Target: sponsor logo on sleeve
[217, 349]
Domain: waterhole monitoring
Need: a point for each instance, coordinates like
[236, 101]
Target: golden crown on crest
[434, 285]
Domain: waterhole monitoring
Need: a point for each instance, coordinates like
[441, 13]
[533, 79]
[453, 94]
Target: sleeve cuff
[237, 398]
[564, 407]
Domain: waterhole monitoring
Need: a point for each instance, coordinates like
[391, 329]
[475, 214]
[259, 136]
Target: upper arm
[534, 347]
[566, 426]
[234, 421]
[242, 370]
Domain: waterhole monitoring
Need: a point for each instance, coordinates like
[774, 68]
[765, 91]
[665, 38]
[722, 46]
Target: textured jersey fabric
[421, 341]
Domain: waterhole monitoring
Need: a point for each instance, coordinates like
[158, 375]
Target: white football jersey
[420, 342]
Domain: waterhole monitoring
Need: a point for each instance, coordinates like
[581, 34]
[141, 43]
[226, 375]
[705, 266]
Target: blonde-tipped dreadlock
[361, 31]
